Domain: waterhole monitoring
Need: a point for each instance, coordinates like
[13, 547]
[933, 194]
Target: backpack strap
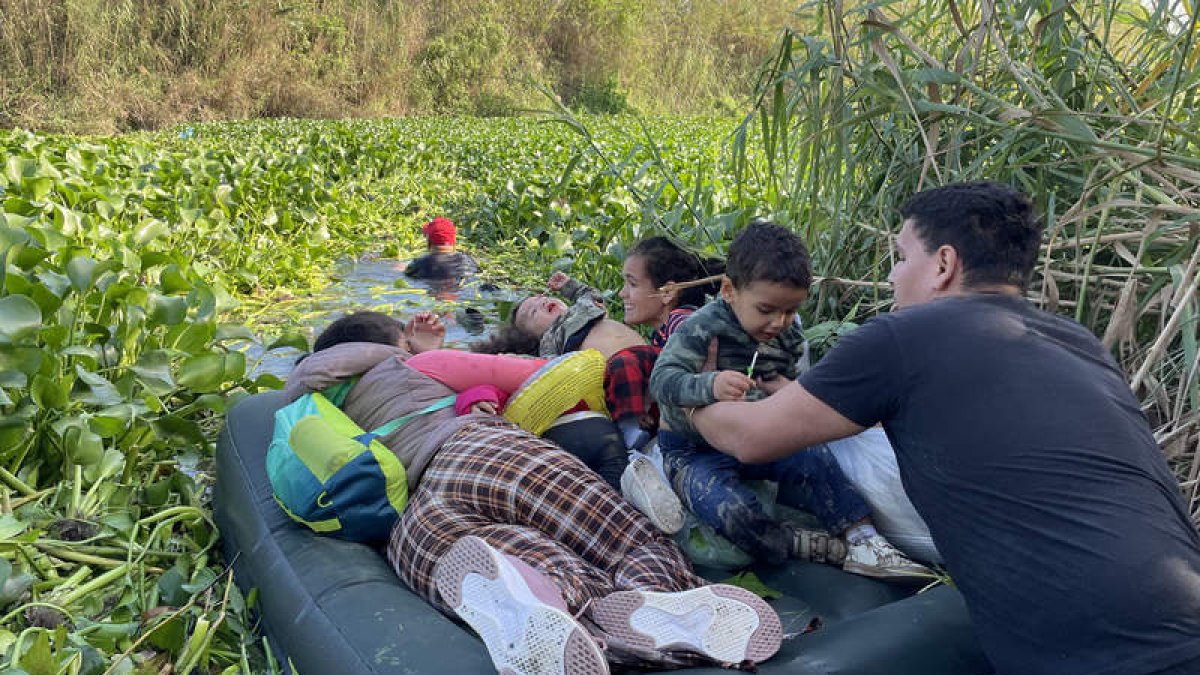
[399, 422]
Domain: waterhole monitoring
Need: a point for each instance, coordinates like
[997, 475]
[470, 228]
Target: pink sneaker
[723, 623]
[517, 612]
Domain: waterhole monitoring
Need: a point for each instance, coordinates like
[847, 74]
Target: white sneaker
[724, 623]
[647, 489]
[875, 557]
[519, 614]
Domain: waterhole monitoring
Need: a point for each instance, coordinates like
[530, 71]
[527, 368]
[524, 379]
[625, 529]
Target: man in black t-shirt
[1018, 441]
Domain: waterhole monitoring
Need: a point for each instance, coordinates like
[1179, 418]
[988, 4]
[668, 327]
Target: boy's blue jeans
[709, 483]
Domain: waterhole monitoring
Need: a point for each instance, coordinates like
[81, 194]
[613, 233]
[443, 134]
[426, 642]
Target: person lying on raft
[485, 382]
[516, 537]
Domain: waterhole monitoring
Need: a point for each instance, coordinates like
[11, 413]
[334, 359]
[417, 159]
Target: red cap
[439, 232]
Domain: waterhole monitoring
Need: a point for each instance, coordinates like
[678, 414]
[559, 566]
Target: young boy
[442, 261]
[757, 341]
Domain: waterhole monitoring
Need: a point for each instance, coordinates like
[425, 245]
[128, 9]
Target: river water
[469, 310]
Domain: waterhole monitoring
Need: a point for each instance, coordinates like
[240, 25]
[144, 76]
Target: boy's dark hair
[764, 251]
[365, 326]
[992, 226]
[668, 261]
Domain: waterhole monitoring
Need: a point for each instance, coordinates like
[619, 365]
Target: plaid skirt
[529, 498]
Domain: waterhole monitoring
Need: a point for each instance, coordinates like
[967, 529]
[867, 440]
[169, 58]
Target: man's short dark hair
[764, 251]
[992, 226]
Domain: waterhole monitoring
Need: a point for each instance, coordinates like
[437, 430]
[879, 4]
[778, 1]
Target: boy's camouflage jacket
[677, 382]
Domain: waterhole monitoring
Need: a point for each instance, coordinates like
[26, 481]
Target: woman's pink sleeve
[478, 393]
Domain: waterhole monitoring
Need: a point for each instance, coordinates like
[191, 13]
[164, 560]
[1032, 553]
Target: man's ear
[949, 268]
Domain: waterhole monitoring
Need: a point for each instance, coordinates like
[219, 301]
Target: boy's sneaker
[875, 557]
[817, 546]
[645, 487]
[518, 613]
[724, 623]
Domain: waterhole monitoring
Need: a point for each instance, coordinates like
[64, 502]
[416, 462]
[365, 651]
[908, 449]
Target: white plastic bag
[869, 461]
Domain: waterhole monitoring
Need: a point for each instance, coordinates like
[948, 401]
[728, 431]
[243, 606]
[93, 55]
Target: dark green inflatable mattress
[330, 606]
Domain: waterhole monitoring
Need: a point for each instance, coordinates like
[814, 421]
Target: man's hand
[424, 332]
[557, 281]
[772, 385]
[730, 385]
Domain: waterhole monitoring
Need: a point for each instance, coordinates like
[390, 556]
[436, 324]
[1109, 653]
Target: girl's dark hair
[668, 261]
[365, 326]
[508, 339]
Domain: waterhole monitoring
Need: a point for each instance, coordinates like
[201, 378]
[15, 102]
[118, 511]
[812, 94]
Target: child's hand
[485, 407]
[424, 332]
[730, 385]
[770, 386]
[557, 281]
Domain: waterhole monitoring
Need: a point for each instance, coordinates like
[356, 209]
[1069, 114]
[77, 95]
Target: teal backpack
[331, 476]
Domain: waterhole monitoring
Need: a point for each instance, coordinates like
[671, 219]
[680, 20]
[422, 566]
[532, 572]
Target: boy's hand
[425, 331]
[557, 281]
[730, 385]
[772, 385]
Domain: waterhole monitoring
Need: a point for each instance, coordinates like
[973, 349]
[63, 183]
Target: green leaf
[149, 231]
[174, 429]
[751, 582]
[204, 373]
[10, 527]
[49, 393]
[84, 447]
[82, 271]
[38, 659]
[172, 281]
[291, 337]
[167, 310]
[20, 317]
[100, 390]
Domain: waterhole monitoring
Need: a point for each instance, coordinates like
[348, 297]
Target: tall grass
[1089, 106]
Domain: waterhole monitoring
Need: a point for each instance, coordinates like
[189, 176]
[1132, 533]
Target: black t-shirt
[1023, 448]
[456, 265]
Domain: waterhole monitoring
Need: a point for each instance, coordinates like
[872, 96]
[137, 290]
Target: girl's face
[537, 313]
[644, 305]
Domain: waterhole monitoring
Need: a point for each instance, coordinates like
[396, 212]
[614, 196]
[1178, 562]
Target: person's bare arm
[772, 428]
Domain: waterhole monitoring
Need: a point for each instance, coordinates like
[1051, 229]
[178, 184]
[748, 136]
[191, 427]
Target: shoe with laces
[875, 557]
[517, 612]
[647, 489]
[723, 623]
[817, 546]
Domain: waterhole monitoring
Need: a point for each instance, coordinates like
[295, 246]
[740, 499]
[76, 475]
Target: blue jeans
[709, 483]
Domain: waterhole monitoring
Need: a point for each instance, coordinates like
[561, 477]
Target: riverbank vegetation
[131, 261]
[96, 66]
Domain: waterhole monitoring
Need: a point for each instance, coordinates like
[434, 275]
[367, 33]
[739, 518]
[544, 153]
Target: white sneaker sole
[523, 635]
[643, 486]
[724, 623]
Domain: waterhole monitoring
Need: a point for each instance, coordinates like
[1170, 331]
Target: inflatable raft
[329, 606]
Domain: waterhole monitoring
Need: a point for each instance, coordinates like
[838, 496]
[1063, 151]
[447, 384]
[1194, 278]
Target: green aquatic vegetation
[137, 272]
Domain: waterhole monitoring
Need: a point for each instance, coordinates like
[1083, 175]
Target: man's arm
[772, 428]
